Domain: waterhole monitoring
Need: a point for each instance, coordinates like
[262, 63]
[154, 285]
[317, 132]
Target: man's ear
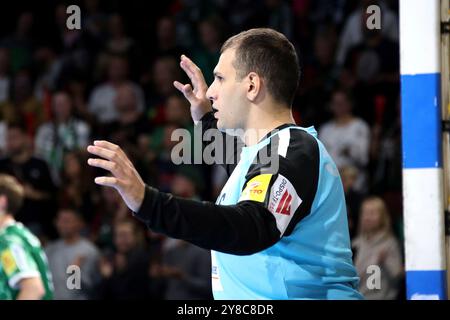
[254, 84]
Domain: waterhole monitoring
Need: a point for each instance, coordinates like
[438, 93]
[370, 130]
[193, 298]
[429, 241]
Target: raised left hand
[125, 178]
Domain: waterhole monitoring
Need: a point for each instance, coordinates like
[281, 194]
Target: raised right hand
[195, 93]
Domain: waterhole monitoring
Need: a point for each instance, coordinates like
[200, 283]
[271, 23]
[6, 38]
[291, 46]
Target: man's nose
[209, 93]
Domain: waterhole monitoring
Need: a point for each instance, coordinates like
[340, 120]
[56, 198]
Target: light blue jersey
[313, 258]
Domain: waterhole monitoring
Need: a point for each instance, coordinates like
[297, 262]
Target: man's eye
[219, 78]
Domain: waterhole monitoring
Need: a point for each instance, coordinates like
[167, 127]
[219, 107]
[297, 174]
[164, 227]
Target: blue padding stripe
[422, 285]
[421, 121]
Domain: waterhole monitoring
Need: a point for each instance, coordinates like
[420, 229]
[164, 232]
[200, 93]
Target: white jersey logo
[283, 202]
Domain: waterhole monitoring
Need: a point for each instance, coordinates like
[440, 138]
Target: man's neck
[263, 120]
[5, 219]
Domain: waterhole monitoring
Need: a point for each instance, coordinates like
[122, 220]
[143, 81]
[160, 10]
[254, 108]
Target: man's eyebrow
[217, 74]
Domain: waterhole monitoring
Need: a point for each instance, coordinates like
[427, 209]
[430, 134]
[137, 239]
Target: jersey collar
[275, 130]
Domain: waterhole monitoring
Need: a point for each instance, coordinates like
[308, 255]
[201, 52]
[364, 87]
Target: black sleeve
[230, 149]
[241, 229]
[249, 226]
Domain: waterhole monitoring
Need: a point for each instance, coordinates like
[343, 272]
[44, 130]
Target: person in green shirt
[24, 271]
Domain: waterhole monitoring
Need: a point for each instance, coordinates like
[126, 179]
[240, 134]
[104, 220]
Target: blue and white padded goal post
[422, 149]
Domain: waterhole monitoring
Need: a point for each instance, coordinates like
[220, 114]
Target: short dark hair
[272, 56]
[14, 192]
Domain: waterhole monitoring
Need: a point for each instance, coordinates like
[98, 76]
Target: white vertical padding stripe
[283, 145]
[424, 219]
[419, 36]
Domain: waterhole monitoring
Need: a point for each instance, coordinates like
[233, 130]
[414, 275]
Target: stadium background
[61, 89]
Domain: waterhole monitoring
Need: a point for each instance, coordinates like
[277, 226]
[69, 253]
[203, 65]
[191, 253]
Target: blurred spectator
[275, 14]
[71, 44]
[67, 39]
[130, 129]
[160, 161]
[72, 249]
[37, 211]
[94, 20]
[347, 137]
[166, 44]
[49, 68]
[21, 42]
[65, 133]
[385, 150]
[372, 68]
[319, 78]
[187, 182]
[22, 105]
[165, 71]
[78, 191]
[355, 26]
[110, 210]
[125, 272]
[186, 269]
[101, 101]
[375, 245]
[76, 87]
[375, 60]
[240, 14]
[131, 123]
[156, 148]
[386, 155]
[118, 42]
[176, 113]
[324, 11]
[188, 13]
[211, 32]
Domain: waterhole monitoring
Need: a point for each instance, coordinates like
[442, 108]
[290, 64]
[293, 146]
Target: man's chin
[223, 128]
[220, 126]
[229, 129]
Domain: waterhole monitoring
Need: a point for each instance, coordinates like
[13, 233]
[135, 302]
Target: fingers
[109, 151]
[106, 144]
[108, 181]
[113, 147]
[187, 67]
[186, 90]
[104, 164]
[102, 152]
[178, 85]
[194, 73]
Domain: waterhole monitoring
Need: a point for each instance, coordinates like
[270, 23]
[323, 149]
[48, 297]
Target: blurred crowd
[113, 79]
